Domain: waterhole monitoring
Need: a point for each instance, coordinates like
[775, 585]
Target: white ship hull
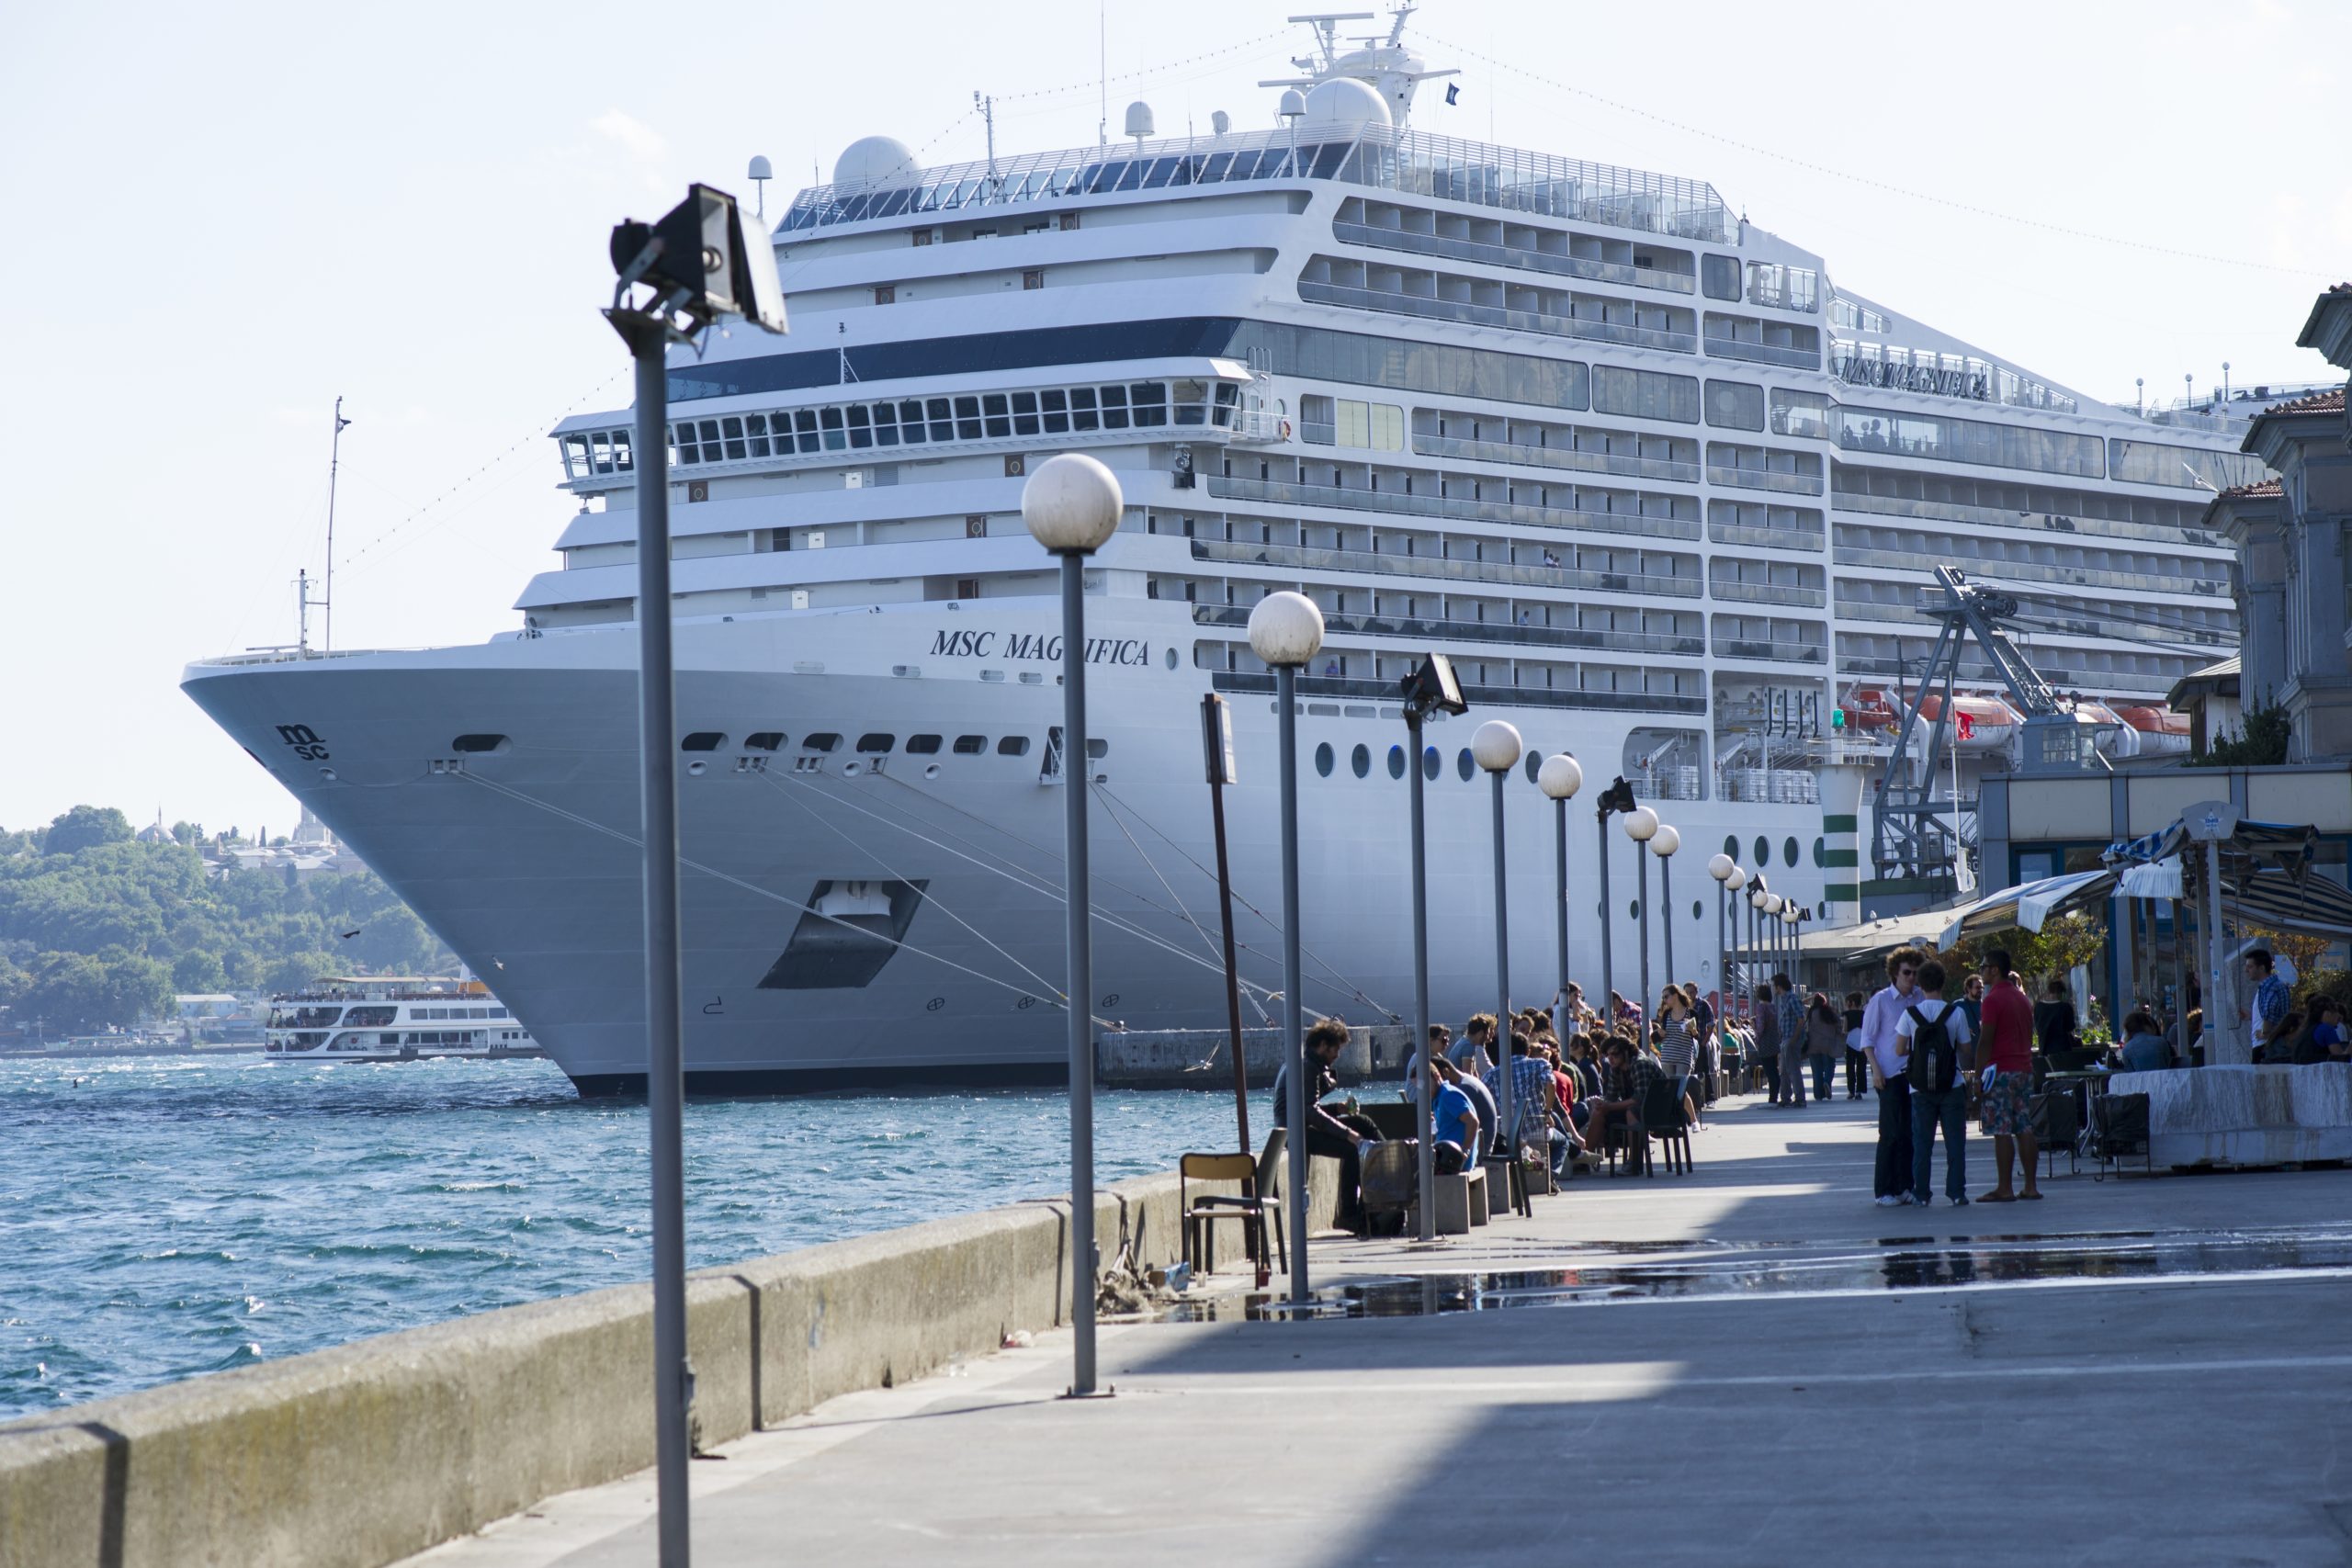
[526, 860]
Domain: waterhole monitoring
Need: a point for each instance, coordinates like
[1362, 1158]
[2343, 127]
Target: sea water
[162, 1216]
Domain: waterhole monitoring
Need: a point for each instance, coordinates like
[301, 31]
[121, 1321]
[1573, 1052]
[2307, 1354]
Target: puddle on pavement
[1699, 1273]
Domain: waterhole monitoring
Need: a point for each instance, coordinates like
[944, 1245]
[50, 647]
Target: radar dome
[872, 159]
[1343, 100]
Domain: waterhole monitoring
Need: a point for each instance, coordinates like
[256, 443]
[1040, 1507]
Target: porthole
[921, 745]
[971, 745]
[875, 744]
[1431, 764]
[1323, 759]
[703, 740]
[930, 771]
[1731, 845]
[1169, 657]
[1012, 746]
[1361, 760]
[1821, 851]
[1466, 764]
[1098, 748]
[1789, 851]
[1633, 912]
[480, 743]
[1396, 761]
[1763, 852]
[1697, 910]
[824, 741]
[765, 740]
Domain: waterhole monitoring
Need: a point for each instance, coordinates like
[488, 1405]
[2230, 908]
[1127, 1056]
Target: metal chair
[2120, 1126]
[1260, 1201]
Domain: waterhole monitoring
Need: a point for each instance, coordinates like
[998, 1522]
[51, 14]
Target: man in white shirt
[1892, 1180]
[1943, 1104]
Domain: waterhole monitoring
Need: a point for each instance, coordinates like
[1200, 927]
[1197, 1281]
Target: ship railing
[1527, 575]
[1348, 497]
[1518, 633]
[1497, 316]
[1618, 463]
[1377, 157]
[1591, 268]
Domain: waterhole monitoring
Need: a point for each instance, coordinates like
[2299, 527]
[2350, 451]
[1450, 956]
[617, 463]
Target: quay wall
[1203, 1058]
[368, 1452]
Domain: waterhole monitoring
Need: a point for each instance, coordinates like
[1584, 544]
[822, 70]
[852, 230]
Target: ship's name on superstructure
[1037, 648]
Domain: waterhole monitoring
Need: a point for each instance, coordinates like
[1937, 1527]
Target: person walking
[1936, 1048]
[1891, 1180]
[2006, 1052]
[1788, 1012]
[1858, 1076]
[1825, 1041]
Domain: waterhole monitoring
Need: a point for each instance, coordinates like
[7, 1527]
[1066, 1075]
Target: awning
[2156, 879]
[2029, 905]
[2274, 900]
[2269, 843]
[1857, 943]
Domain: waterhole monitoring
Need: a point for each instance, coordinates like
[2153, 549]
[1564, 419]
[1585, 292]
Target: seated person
[1325, 1132]
[1453, 1123]
[2325, 1040]
[1623, 1084]
[2145, 1050]
[1482, 1100]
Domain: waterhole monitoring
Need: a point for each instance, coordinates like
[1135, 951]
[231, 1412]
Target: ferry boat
[393, 1018]
[1660, 485]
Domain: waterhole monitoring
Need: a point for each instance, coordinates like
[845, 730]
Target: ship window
[910, 430]
[804, 427]
[765, 740]
[1149, 400]
[703, 740]
[876, 743]
[1534, 764]
[1098, 748]
[1025, 414]
[1735, 405]
[1323, 759]
[1056, 406]
[1012, 746]
[1360, 760]
[999, 423]
[967, 419]
[1396, 761]
[1788, 851]
[1431, 763]
[1719, 277]
[861, 434]
[734, 428]
[1083, 415]
[1114, 408]
[829, 421]
[943, 428]
[824, 741]
[1731, 845]
[921, 745]
[479, 743]
[1763, 852]
[971, 745]
[1464, 764]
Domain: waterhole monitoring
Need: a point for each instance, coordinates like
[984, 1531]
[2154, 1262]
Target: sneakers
[1889, 1200]
[1960, 1202]
[1908, 1200]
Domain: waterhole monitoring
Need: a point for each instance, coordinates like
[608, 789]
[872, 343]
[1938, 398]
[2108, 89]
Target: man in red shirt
[2006, 1055]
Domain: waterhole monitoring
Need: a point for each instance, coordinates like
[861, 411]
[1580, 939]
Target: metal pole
[1508, 1128]
[673, 1378]
[2220, 1012]
[1666, 921]
[2180, 976]
[1426, 1175]
[1078, 909]
[334, 466]
[1723, 976]
[1560, 886]
[1232, 971]
[1294, 1012]
[1641, 904]
[1608, 918]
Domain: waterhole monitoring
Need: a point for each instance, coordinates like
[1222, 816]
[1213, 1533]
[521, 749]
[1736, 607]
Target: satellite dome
[1139, 118]
[1343, 100]
[872, 159]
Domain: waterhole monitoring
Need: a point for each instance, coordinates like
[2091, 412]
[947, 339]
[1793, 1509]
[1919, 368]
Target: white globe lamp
[1496, 746]
[1071, 504]
[1560, 777]
[1285, 629]
[1666, 841]
[1641, 824]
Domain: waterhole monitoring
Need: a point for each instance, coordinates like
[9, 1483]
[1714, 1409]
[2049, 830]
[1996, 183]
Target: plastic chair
[1260, 1199]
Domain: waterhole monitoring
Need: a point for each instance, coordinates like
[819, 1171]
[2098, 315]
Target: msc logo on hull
[1037, 648]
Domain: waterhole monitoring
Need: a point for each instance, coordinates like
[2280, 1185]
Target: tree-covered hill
[100, 928]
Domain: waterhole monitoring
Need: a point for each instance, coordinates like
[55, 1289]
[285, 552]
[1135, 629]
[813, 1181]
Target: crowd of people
[1938, 1046]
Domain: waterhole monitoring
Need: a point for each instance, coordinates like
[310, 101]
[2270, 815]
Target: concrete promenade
[1751, 1364]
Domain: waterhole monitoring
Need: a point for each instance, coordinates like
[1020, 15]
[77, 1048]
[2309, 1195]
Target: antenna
[988, 117]
[1101, 76]
[334, 462]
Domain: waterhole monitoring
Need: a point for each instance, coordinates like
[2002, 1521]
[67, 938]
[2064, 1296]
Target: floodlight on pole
[1071, 504]
[1496, 748]
[1429, 688]
[698, 266]
[1286, 631]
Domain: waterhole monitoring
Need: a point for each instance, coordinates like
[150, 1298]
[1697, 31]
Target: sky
[407, 206]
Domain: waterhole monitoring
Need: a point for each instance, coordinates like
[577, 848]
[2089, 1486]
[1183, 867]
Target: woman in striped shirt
[1678, 1044]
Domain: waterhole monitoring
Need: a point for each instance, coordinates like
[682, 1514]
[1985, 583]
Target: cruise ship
[1666, 493]
[393, 1018]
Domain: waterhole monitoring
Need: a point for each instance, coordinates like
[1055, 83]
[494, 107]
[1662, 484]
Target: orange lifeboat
[1981, 724]
[2162, 732]
[1868, 709]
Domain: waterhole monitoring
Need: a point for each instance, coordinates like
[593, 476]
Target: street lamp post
[1642, 825]
[1758, 892]
[1559, 778]
[1617, 797]
[1663, 843]
[1286, 631]
[1071, 505]
[1496, 748]
[1723, 868]
[1431, 688]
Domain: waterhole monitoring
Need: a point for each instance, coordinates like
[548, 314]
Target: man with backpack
[1934, 1036]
